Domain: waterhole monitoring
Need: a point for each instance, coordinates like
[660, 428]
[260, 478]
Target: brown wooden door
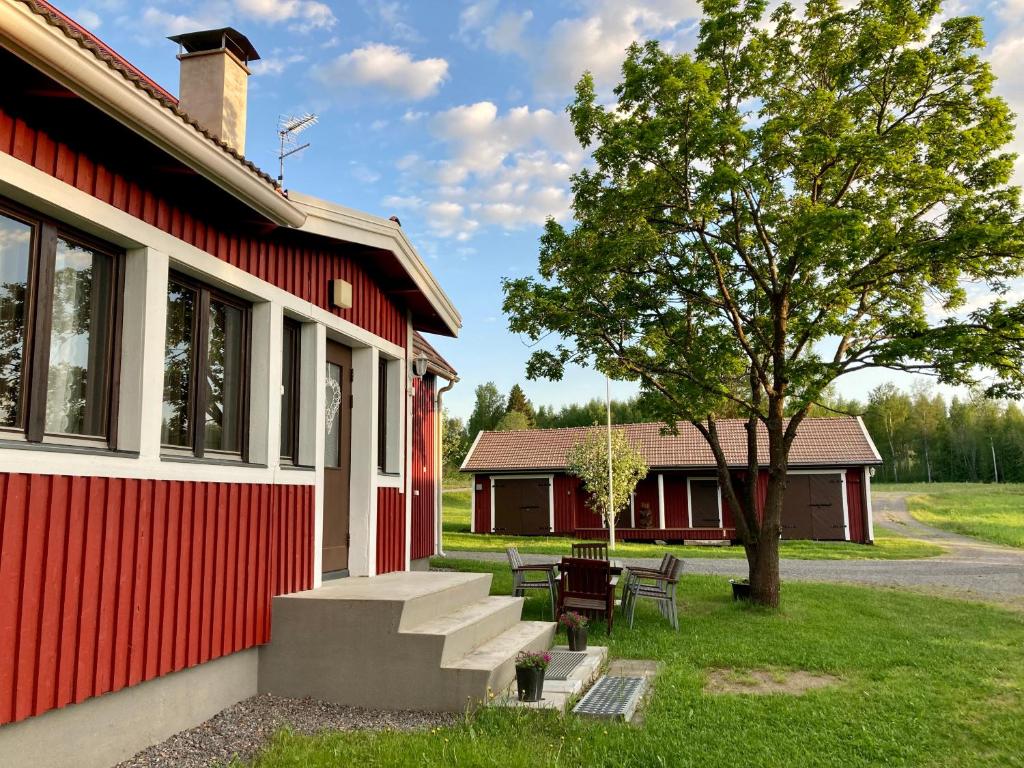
[826, 506]
[796, 508]
[337, 457]
[704, 503]
[521, 506]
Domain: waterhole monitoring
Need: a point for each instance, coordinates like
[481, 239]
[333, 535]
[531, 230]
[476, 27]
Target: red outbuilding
[521, 485]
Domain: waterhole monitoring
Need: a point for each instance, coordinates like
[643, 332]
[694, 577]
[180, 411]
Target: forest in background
[922, 436]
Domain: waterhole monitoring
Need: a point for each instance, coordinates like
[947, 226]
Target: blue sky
[451, 115]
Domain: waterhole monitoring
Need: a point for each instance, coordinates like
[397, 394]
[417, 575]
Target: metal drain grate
[612, 698]
[563, 663]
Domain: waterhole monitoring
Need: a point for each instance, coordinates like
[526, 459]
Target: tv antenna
[288, 127]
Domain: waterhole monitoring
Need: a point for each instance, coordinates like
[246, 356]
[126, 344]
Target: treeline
[921, 436]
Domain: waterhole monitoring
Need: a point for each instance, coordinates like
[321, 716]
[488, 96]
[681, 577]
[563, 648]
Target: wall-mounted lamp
[341, 294]
[419, 367]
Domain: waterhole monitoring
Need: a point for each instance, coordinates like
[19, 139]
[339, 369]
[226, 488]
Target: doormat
[563, 663]
[613, 698]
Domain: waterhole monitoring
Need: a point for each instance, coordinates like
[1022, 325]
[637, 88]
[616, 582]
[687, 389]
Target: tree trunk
[763, 555]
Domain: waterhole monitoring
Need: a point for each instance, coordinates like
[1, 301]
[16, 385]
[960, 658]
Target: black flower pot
[577, 638]
[740, 590]
[530, 683]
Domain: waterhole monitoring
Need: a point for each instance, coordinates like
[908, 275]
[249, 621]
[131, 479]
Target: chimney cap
[226, 38]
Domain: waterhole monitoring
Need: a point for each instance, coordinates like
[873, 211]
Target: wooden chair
[586, 586]
[590, 550]
[658, 585]
[521, 570]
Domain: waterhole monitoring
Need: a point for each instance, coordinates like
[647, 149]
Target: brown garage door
[521, 506]
[704, 503]
[813, 507]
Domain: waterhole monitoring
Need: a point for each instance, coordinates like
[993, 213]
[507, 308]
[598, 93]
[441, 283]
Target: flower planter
[530, 683]
[740, 589]
[577, 638]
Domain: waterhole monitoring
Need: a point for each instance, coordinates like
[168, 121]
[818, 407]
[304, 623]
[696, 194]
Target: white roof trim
[472, 448]
[871, 443]
[336, 221]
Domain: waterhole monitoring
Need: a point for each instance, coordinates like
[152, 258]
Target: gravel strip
[244, 729]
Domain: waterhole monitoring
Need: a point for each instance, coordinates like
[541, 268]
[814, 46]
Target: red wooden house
[522, 487]
[212, 392]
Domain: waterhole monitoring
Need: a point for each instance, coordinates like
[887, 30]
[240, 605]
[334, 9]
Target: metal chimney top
[226, 38]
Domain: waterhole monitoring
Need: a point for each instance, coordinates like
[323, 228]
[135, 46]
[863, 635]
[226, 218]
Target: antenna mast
[288, 127]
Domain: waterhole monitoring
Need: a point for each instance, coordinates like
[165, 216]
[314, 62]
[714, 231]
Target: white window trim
[551, 495]
[842, 474]
[867, 504]
[632, 509]
[689, 501]
[661, 501]
[472, 505]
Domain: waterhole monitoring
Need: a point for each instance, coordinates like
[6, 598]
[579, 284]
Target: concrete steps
[424, 640]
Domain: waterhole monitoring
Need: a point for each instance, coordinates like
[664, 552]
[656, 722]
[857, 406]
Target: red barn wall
[646, 493]
[482, 502]
[279, 259]
[676, 509]
[424, 484]
[855, 504]
[107, 582]
[390, 530]
[567, 496]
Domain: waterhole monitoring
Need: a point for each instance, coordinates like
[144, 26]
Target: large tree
[487, 410]
[802, 197]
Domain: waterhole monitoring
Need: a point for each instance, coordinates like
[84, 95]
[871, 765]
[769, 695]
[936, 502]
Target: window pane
[224, 379]
[81, 340]
[288, 393]
[332, 413]
[178, 361]
[382, 415]
[15, 250]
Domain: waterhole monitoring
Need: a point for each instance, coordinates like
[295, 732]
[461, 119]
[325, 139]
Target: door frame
[551, 494]
[689, 501]
[846, 506]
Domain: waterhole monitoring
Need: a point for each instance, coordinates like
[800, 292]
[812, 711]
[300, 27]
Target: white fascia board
[49, 50]
[867, 436]
[472, 448]
[340, 223]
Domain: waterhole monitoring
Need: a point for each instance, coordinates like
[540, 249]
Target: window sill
[298, 468]
[209, 461]
[86, 450]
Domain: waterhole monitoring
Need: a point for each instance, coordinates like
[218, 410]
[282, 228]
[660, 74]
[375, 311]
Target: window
[290, 363]
[205, 371]
[382, 415]
[59, 326]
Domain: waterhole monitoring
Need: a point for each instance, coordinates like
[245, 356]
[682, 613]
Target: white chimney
[214, 81]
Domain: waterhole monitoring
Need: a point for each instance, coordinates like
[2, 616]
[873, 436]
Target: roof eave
[340, 223]
[48, 49]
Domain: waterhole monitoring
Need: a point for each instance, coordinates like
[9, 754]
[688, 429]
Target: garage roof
[819, 442]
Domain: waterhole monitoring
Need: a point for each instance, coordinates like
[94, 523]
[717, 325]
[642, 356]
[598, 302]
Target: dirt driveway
[970, 569]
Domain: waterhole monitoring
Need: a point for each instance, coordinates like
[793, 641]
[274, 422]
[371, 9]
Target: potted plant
[530, 667]
[740, 589]
[576, 627]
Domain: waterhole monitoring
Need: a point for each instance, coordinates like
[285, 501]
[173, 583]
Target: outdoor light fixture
[341, 294]
[419, 367]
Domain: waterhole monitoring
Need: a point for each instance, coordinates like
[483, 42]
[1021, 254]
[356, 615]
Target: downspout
[439, 468]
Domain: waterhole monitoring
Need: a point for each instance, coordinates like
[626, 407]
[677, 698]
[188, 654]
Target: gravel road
[970, 568]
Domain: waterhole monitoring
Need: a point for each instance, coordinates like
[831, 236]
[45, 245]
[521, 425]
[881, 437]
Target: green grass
[925, 682]
[888, 546]
[991, 512]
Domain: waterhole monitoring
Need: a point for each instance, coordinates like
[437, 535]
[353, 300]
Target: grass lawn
[991, 512]
[924, 682]
[888, 546]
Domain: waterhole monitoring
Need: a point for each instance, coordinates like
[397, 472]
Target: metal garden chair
[521, 570]
[658, 585]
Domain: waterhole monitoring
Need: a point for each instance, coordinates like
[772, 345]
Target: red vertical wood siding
[482, 503]
[422, 467]
[567, 498]
[855, 504]
[677, 511]
[646, 493]
[390, 530]
[279, 259]
[106, 582]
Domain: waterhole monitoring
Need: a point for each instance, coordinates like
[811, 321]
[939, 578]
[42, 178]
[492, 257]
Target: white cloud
[388, 68]
[363, 173]
[304, 15]
[88, 19]
[276, 63]
[391, 15]
[412, 116]
[176, 23]
[502, 34]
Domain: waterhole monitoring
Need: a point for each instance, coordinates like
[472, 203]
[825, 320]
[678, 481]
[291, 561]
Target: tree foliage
[517, 401]
[487, 411]
[513, 420]
[802, 197]
[588, 460]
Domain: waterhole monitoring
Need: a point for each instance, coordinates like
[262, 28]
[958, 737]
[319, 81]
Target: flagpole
[611, 495]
